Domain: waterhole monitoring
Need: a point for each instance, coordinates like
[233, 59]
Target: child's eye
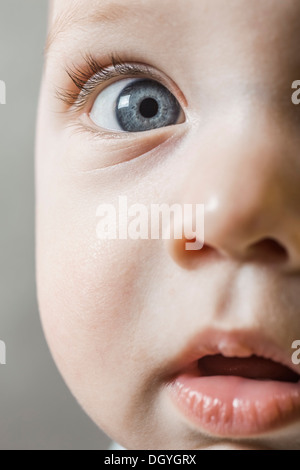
[136, 105]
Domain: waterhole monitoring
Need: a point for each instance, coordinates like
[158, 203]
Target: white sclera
[103, 112]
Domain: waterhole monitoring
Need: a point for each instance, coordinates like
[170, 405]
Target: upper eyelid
[86, 79]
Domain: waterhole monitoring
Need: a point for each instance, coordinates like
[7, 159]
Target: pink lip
[232, 406]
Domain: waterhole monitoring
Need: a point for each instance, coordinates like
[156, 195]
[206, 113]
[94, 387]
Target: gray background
[36, 409]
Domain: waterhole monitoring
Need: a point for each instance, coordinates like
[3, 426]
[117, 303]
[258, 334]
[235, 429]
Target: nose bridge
[242, 162]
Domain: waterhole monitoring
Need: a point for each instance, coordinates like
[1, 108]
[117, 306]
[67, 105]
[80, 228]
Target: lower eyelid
[101, 151]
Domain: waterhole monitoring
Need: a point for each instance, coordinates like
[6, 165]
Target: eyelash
[88, 78]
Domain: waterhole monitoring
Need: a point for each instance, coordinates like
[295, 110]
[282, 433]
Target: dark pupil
[148, 108]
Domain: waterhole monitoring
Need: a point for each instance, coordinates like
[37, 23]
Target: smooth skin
[117, 313]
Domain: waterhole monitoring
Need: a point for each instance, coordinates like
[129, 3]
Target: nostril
[268, 250]
[190, 259]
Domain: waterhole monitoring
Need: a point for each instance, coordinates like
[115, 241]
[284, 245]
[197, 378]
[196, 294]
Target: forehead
[84, 8]
[81, 11]
[66, 13]
[177, 28]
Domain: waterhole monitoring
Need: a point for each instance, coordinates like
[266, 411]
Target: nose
[247, 177]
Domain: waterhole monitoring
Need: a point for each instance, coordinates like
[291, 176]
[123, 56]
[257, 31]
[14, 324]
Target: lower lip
[234, 406]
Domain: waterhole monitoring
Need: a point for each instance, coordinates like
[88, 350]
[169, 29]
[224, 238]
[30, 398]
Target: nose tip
[243, 230]
[245, 227]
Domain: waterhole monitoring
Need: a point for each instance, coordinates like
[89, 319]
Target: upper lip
[233, 343]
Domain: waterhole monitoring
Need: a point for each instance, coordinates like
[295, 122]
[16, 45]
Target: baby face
[164, 102]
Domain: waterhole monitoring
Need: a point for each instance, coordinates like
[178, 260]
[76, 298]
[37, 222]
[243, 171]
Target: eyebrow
[110, 12]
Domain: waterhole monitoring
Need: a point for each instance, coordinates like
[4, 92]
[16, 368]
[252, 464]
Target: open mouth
[253, 367]
[230, 396]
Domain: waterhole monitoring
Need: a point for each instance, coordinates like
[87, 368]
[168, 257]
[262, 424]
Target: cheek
[89, 298]
[86, 289]
[89, 293]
